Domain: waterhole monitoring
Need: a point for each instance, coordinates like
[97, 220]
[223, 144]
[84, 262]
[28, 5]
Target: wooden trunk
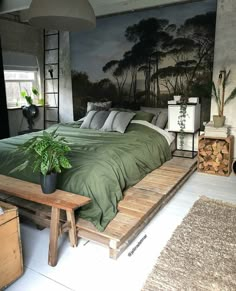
[11, 262]
[215, 155]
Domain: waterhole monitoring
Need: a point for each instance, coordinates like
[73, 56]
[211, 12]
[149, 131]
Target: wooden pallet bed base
[140, 204]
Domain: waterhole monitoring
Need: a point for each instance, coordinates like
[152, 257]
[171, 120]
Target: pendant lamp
[65, 15]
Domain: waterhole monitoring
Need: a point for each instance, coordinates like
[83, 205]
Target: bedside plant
[182, 120]
[219, 95]
[46, 154]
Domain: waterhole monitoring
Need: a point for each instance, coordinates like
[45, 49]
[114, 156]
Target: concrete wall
[225, 56]
[17, 37]
[66, 102]
[22, 38]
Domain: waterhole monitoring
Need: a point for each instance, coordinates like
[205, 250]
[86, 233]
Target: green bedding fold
[103, 164]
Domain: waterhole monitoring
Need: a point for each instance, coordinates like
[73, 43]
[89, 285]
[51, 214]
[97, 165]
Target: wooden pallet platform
[140, 204]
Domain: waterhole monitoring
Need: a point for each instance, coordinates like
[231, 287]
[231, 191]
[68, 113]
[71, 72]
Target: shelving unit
[51, 77]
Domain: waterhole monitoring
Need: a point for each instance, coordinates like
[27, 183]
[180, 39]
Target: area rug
[201, 254]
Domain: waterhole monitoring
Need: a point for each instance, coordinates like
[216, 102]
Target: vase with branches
[220, 98]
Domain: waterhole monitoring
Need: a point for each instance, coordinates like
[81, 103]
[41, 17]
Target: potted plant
[46, 154]
[219, 95]
[30, 111]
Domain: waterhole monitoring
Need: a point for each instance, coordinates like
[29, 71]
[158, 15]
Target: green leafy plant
[45, 153]
[28, 97]
[219, 91]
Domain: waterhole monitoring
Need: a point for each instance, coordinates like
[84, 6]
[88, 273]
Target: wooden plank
[72, 231]
[133, 193]
[54, 233]
[3, 197]
[116, 250]
[26, 190]
[135, 207]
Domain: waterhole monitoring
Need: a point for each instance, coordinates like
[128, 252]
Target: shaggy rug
[201, 254]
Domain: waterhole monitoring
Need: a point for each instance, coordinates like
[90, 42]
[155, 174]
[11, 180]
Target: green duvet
[103, 165]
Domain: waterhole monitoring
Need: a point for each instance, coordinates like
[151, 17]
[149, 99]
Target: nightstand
[192, 126]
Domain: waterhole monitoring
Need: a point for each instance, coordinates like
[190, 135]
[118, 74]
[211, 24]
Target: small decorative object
[234, 167]
[177, 98]
[30, 111]
[219, 94]
[46, 154]
[182, 121]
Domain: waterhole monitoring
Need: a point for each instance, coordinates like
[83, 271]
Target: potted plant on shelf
[30, 111]
[219, 95]
[46, 154]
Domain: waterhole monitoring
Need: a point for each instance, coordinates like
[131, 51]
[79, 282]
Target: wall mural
[146, 57]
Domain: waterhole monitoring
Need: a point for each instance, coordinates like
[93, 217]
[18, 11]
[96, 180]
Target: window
[17, 81]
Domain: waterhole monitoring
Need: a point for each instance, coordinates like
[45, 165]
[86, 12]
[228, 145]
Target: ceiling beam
[8, 6]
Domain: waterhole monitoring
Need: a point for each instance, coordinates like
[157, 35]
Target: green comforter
[103, 165]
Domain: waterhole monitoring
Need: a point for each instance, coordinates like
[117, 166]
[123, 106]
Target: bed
[104, 164]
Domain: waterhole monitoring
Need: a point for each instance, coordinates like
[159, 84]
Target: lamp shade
[66, 15]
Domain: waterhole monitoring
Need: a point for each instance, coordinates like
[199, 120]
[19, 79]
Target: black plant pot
[30, 113]
[48, 183]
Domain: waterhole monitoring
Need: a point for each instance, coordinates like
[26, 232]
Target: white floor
[88, 267]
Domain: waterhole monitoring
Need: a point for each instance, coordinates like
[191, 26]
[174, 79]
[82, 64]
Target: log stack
[215, 155]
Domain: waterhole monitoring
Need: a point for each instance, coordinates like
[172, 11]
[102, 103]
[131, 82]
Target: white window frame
[19, 101]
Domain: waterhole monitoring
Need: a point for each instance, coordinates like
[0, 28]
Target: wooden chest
[215, 155]
[11, 262]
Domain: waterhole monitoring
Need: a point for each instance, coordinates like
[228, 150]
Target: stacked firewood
[214, 156]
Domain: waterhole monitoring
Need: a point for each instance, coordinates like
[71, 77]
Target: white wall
[225, 56]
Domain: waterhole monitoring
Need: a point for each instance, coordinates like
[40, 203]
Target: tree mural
[164, 59]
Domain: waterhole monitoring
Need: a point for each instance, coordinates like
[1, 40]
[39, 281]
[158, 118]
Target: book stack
[212, 131]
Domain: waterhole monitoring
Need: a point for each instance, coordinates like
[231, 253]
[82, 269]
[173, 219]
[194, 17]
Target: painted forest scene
[144, 58]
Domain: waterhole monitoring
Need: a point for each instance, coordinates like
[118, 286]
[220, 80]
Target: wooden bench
[59, 200]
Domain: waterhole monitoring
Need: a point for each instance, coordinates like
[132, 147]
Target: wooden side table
[215, 155]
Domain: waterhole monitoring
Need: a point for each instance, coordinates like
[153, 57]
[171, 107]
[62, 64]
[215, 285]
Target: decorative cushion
[161, 115]
[118, 121]
[146, 116]
[162, 119]
[95, 119]
[98, 105]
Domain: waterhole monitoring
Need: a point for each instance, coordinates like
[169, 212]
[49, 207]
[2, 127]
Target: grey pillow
[161, 115]
[118, 121]
[95, 119]
[162, 119]
[98, 105]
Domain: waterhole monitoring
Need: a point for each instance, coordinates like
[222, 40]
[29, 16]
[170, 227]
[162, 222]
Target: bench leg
[72, 231]
[54, 233]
